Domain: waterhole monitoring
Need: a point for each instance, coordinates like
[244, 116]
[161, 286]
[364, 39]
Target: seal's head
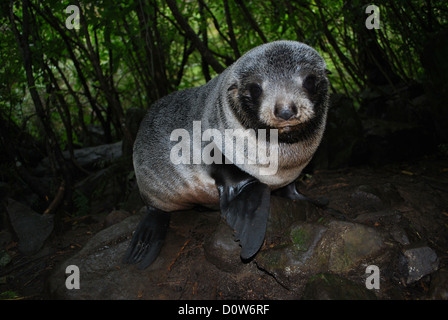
[280, 85]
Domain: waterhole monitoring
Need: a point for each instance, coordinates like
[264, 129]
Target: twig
[178, 254]
[57, 200]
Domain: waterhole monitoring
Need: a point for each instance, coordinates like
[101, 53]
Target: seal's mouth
[288, 128]
[287, 125]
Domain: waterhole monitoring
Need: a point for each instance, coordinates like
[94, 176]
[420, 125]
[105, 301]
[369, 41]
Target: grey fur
[280, 68]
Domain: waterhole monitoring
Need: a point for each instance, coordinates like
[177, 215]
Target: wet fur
[280, 85]
[175, 187]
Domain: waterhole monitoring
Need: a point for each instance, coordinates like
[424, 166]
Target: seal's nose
[285, 112]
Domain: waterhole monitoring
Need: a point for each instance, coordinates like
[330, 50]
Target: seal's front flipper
[290, 192]
[245, 204]
[148, 238]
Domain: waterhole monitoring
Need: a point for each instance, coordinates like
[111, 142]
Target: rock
[86, 157]
[374, 218]
[222, 250]
[103, 274]
[390, 194]
[294, 256]
[327, 286]
[284, 213]
[378, 200]
[349, 244]
[99, 262]
[312, 248]
[31, 228]
[115, 217]
[439, 286]
[399, 235]
[366, 198]
[420, 261]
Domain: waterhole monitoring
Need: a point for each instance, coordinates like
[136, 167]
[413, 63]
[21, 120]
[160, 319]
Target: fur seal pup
[280, 87]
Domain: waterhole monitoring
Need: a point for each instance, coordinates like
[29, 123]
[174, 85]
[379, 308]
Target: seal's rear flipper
[290, 191]
[148, 238]
[245, 204]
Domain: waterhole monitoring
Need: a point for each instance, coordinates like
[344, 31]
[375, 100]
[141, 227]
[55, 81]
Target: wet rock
[86, 157]
[399, 235]
[391, 194]
[104, 275]
[366, 198]
[295, 256]
[419, 262]
[284, 213]
[327, 286]
[439, 286]
[349, 244]
[31, 228]
[99, 264]
[115, 217]
[222, 250]
[378, 217]
[312, 248]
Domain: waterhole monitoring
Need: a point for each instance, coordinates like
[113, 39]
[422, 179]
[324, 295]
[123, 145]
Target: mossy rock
[325, 286]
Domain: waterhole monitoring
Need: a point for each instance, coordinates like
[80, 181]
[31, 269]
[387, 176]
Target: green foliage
[131, 53]
[9, 295]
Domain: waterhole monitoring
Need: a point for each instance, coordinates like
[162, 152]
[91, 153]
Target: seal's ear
[233, 91]
[233, 87]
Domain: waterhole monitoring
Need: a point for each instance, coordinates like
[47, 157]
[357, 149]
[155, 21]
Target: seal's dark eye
[310, 83]
[255, 90]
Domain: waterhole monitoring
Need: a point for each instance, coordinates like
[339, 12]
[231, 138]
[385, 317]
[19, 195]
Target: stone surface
[222, 250]
[420, 262]
[305, 248]
[366, 198]
[31, 228]
[439, 285]
[337, 247]
[98, 263]
[327, 286]
[114, 217]
[87, 157]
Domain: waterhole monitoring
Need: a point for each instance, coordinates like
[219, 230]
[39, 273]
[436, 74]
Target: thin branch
[189, 33]
[251, 20]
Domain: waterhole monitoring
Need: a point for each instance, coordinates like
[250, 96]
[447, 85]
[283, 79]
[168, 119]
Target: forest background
[63, 89]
